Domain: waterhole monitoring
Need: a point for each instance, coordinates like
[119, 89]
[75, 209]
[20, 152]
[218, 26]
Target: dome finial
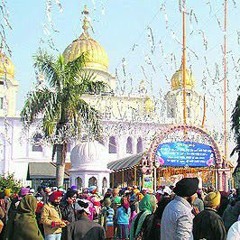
[86, 22]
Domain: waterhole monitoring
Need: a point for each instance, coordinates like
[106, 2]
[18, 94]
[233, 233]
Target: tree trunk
[60, 168]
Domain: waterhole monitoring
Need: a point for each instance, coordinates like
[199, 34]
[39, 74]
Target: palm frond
[90, 117]
[46, 65]
[38, 102]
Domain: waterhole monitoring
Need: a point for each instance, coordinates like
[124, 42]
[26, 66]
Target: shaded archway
[92, 182]
[78, 182]
[139, 145]
[112, 147]
[104, 185]
[129, 146]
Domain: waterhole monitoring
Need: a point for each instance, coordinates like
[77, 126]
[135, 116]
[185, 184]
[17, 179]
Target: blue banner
[183, 154]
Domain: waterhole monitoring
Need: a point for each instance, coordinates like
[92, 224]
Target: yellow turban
[212, 199]
[7, 192]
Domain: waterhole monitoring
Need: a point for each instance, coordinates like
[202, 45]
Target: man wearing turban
[208, 224]
[51, 217]
[177, 218]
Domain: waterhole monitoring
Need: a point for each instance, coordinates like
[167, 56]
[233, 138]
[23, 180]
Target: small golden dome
[177, 82]
[149, 105]
[6, 66]
[96, 56]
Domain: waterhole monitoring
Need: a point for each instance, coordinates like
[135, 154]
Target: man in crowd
[51, 217]
[208, 224]
[83, 228]
[177, 218]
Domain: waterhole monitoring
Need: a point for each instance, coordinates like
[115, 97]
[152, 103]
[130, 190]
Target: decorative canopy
[125, 163]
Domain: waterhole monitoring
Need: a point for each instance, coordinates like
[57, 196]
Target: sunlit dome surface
[177, 80]
[95, 55]
[6, 66]
[89, 153]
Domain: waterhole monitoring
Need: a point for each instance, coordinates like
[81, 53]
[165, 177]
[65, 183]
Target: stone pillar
[134, 145]
[220, 183]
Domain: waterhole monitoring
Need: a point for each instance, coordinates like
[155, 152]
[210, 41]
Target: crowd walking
[180, 212]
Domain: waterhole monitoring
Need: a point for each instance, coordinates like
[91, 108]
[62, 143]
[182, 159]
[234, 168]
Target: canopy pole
[122, 178]
[135, 175]
[112, 179]
[155, 179]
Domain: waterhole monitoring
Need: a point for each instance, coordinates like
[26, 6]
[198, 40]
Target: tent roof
[126, 162]
[43, 170]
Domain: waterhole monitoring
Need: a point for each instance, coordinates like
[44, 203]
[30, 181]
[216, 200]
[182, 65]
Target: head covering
[24, 191]
[92, 189]
[186, 187]
[212, 199]
[107, 202]
[32, 191]
[73, 187]
[47, 189]
[55, 195]
[167, 190]
[27, 205]
[7, 192]
[84, 206]
[117, 200]
[71, 193]
[148, 203]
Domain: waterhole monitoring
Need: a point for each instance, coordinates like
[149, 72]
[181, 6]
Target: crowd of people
[177, 212]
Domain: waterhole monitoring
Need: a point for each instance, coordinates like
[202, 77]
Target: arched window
[129, 148]
[1, 102]
[37, 147]
[78, 182]
[104, 185]
[69, 147]
[112, 147]
[171, 112]
[92, 182]
[139, 145]
[188, 112]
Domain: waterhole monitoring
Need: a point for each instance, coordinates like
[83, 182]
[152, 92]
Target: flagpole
[225, 82]
[184, 61]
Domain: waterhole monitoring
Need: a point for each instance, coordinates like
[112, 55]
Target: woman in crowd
[122, 218]
[106, 218]
[25, 224]
[140, 226]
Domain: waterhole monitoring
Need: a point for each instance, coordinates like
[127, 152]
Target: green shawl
[25, 224]
[146, 206]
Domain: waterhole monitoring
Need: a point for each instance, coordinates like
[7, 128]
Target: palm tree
[61, 106]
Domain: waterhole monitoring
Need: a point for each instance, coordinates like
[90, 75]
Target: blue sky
[126, 30]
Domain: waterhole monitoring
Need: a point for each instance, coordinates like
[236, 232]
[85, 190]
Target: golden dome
[96, 56]
[6, 66]
[177, 82]
[149, 105]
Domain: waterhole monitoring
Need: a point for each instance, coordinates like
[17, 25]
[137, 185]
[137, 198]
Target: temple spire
[86, 23]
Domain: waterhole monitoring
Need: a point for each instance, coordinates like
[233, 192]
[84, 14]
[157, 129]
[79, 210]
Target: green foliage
[236, 120]
[9, 182]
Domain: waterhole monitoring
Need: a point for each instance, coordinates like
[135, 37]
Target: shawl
[147, 206]
[25, 224]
